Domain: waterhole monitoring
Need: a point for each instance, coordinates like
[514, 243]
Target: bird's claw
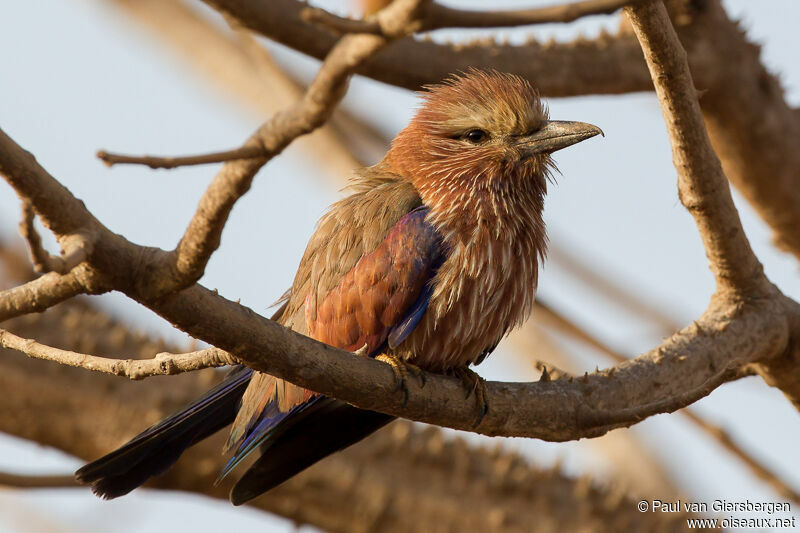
[473, 383]
[363, 351]
[401, 370]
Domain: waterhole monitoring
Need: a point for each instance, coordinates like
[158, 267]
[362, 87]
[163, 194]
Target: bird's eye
[476, 136]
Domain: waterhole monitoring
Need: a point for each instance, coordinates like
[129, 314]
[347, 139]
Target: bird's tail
[156, 449]
[313, 431]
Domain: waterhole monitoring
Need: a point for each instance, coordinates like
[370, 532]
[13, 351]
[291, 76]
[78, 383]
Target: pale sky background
[78, 76]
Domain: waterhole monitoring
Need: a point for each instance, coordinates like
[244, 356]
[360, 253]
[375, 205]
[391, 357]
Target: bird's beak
[555, 135]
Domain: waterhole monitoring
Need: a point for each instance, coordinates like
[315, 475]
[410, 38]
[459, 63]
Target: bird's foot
[401, 370]
[473, 383]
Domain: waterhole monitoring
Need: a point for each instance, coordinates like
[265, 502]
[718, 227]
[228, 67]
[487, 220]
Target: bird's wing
[362, 273]
[385, 291]
[352, 228]
[380, 299]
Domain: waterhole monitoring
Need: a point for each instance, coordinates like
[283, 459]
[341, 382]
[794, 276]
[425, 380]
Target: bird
[426, 265]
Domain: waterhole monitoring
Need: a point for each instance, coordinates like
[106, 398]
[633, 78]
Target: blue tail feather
[259, 433]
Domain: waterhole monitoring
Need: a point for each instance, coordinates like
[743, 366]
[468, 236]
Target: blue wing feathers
[401, 331]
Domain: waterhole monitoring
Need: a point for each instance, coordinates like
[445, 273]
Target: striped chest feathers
[487, 284]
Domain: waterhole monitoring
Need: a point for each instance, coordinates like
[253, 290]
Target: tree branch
[437, 16]
[20, 481]
[702, 186]
[722, 437]
[678, 372]
[400, 479]
[202, 237]
[669, 377]
[154, 162]
[607, 65]
[41, 259]
[731, 333]
[40, 294]
[753, 129]
[163, 364]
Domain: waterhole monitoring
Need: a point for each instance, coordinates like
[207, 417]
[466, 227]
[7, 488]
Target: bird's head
[478, 135]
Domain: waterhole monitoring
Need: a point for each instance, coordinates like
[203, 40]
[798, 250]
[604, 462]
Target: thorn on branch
[550, 372]
[156, 162]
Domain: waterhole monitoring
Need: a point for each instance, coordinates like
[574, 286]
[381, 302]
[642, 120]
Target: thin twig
[202, 236]
[162, 364]
[440, 16]
[41, 293]
[43, 261]
[31, 481]
[437, 16]
[154, 162]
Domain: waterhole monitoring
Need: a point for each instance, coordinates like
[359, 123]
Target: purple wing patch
[387, 292]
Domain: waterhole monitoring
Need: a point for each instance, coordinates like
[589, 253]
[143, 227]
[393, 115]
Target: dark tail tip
[153, 451]
[302, 440]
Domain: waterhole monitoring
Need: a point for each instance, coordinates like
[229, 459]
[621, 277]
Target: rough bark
[399, 480]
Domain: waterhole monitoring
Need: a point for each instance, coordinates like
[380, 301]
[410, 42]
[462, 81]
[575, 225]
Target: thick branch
[61, 213]
[606, 65]
[400, 479]
[682, 370]
[754, 130]
[722, 437]
[702, 186]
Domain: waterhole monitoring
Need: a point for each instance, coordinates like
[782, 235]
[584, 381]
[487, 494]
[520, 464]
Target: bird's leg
[401, 370]
[474, 383]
